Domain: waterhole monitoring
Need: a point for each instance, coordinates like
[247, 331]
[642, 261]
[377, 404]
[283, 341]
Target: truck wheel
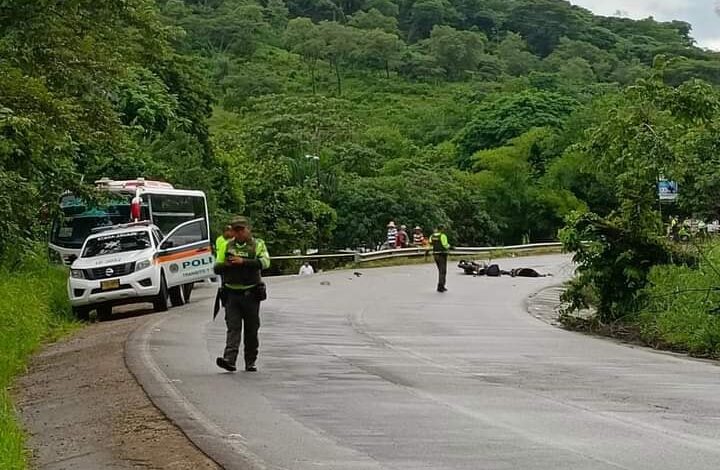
[160, 303]
[176, 296]
[187, 291]
[104, 313]
[81, 313]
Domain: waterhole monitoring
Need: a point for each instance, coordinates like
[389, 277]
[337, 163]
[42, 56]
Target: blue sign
[667, 190]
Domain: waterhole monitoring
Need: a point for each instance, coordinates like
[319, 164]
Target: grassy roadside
[678, 310]
[34, 308]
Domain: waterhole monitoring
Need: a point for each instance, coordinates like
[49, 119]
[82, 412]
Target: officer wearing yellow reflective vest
[220, 246]
[441, 247]
[240, 264]
[222, 241]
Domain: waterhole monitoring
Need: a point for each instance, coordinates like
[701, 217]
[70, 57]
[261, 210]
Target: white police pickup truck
[134, 263]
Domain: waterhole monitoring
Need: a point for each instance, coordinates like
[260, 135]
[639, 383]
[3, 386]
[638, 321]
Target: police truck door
[185, 254]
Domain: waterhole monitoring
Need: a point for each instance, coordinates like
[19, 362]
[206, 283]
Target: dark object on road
[526, 272]
[223, 364]
[472, 267]
[357, 274]
[480, 269]
[493, 271]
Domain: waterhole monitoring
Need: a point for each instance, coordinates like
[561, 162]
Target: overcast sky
[702, 14]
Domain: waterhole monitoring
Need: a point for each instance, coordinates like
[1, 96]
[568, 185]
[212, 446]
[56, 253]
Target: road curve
[378, 371]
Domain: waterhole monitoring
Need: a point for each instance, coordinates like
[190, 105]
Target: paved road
[379, 371]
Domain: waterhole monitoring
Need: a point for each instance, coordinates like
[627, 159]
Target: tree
[505, 116]
[276, 14]
[509, 178]
[601, 62]
[380, 50]
[456, 51]
[303, 38]
[576, 71]
[340, 43]
[234, 26]
[654, 130]
[386, 7]
[513, 52]
[373, 19]
[682, 70]
[315, 10]
[543, 22]
[282, 127]
[485, 15]
[425, 14]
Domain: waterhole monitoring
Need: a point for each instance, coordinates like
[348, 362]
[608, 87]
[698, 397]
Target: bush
[34, 307]
[681, 307]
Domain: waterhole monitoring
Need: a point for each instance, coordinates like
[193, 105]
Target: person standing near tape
[441, 248]
[240, 264]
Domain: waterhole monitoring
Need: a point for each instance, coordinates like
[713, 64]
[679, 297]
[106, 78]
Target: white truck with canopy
[146, 242]
[134, 263]
[155, 201]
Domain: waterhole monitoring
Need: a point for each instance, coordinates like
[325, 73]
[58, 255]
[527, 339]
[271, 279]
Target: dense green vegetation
[428, 111]
[681, 307]
[501, 119]
[34, 307]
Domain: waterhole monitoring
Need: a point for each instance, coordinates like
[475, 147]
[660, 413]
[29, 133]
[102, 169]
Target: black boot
[223, 364]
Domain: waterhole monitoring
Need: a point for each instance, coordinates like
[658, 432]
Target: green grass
[34, 308]
[680, 307]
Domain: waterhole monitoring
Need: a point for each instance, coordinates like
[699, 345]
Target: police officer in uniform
[441, 247]
[240, 264]
[222, 241]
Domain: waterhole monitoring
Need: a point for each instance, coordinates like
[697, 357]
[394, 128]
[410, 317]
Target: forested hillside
[478, 114]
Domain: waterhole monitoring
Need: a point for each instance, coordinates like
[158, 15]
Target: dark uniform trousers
[441, 262]
[241, 307]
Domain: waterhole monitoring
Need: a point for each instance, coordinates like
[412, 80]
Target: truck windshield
[77, 221]
[117, 243]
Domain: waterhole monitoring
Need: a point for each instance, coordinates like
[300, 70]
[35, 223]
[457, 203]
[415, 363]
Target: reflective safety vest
[439, 242]
[246, 275]
[221, 244]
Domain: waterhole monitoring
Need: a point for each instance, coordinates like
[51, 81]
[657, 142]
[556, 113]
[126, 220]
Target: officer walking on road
[441, 247]
[240, 264]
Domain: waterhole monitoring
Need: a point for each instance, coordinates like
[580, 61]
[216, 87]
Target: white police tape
[418, 251]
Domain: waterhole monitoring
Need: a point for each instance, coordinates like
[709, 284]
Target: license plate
[109, 285]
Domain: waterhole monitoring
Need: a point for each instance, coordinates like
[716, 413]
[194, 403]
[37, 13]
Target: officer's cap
[239, 221]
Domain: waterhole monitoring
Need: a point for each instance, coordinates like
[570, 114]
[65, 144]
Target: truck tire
[104, 313]
[177, 299]
[187, 291]
[160, 303]
[81, 313]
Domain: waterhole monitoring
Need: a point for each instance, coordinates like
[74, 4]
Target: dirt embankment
[83, 409]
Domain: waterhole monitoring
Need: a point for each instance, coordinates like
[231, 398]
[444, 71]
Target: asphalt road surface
[379, 371]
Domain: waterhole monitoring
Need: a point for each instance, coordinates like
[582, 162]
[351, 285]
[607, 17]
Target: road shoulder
[82, 408]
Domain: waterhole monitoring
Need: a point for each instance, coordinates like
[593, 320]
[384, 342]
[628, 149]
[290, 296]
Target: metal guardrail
[418, 251]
